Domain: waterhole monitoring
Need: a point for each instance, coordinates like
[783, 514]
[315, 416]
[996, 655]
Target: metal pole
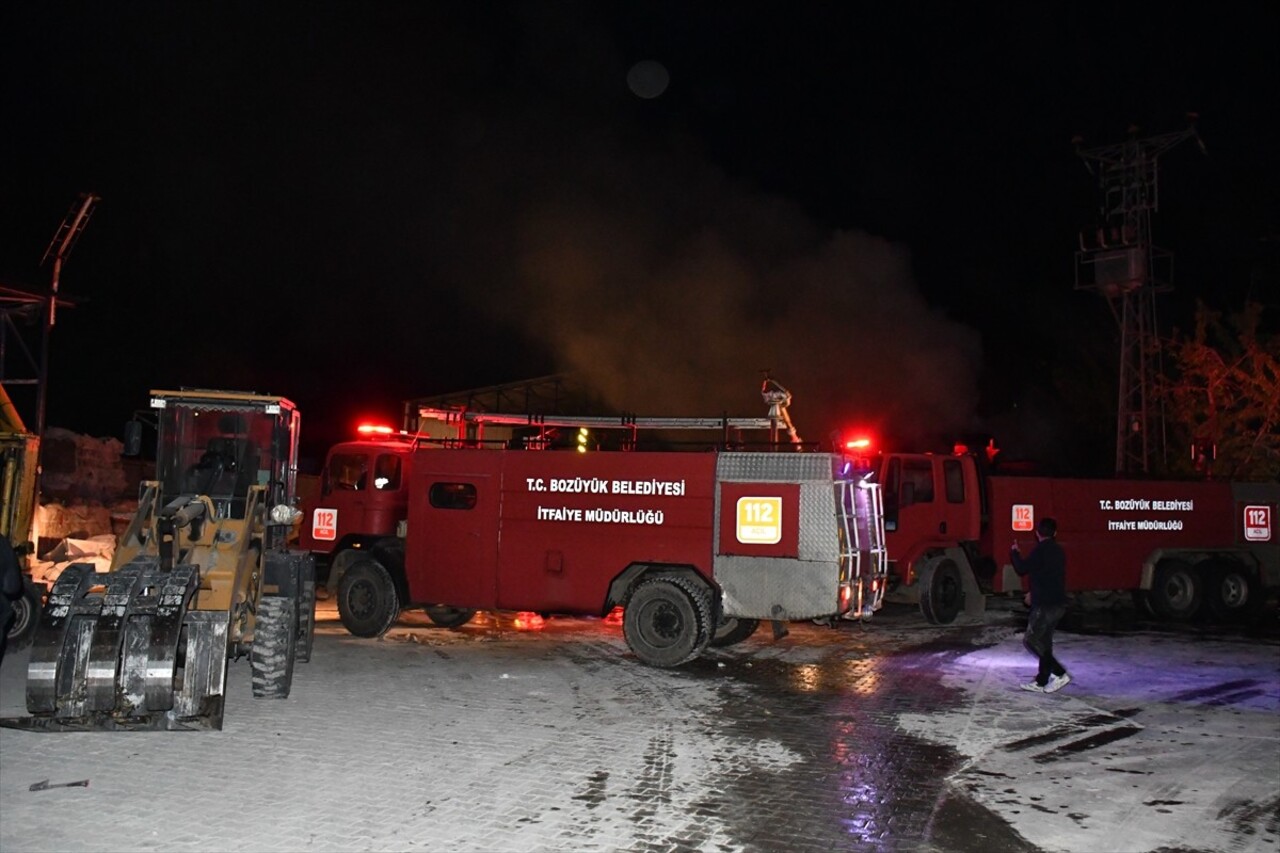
[64, 239]
[47, 332]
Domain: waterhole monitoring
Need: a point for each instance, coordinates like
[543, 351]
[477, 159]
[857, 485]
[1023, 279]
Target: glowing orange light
[857, 444]
[527, 621]
[374, 429]
[845, 594]
[614, 617]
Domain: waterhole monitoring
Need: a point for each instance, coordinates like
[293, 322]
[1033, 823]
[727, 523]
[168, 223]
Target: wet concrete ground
[889, 735]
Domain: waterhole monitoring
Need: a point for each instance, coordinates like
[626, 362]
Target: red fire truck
[696, 547]
[1181, 548]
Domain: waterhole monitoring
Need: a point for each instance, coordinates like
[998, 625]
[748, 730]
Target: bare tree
[1221, 393]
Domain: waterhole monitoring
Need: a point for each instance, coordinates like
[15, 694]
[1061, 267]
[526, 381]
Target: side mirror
[132, 438]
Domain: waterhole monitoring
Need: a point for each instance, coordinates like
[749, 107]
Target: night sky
[354, 204]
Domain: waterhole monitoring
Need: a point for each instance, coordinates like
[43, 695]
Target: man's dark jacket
[1047, 566]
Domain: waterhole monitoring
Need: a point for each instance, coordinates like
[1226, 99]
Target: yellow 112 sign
[759, 520]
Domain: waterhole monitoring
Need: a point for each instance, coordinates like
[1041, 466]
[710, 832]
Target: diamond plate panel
[774, 467]
[819, 539]
[775, 588]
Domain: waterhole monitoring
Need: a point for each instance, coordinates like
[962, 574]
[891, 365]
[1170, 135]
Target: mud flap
[292, 574]
[975, 601]
[122, 651]
[306, 621]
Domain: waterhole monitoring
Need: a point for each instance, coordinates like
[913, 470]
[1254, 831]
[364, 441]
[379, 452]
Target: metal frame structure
[552, 394]
[29, 366]
[1121, 261]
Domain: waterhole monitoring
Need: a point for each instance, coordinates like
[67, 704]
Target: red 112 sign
[324, 525]
[1257, 524]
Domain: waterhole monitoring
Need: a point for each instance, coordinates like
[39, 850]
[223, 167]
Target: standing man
[1047, 566]
[10, 588]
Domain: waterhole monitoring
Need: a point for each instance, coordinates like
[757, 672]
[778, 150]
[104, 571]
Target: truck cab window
[348, 472]
[953, 475]
[452, 496]
[386, 472]
[919, 474]
[892, 482]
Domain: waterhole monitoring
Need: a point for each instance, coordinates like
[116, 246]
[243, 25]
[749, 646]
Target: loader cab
[223, 446]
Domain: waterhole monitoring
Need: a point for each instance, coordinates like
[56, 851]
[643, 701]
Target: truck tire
[732, 630]
[941, 591]
[26, 616]
[1142, 603]
[367, 600]
[1230, 590]
[1176, 591]
[449, 617]
[666, 621]
[275, 636]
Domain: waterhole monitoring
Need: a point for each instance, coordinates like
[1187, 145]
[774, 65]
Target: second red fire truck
[1182, 549]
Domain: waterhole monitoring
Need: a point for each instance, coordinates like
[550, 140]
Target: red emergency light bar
[374, 430]
[991, 451]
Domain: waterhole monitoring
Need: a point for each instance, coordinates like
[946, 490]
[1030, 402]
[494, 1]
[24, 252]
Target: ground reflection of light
[862, 797]
[841, 749]
[864, 782]
[526, 621]
[863, 675]
[1001, 658]
[807, 677]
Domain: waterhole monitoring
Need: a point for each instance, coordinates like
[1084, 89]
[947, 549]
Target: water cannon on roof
[778, 399]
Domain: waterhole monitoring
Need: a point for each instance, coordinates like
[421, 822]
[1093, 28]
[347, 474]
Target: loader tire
[449, 617]
[26, 617]
[732, 630]
[275, 636]
[367, 600]
[667, 621]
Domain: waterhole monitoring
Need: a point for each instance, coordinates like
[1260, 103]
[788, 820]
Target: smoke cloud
[669, 288]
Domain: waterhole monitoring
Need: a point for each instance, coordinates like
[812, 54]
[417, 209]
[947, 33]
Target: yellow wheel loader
[202, 575]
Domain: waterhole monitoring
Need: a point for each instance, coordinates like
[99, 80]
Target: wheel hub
[662, 623]
[360, 599]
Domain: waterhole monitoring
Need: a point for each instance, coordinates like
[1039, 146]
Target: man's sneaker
[1033, 687]
[1057, 682]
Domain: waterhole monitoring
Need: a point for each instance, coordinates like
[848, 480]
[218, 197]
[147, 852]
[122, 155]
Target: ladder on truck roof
[470, 425]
